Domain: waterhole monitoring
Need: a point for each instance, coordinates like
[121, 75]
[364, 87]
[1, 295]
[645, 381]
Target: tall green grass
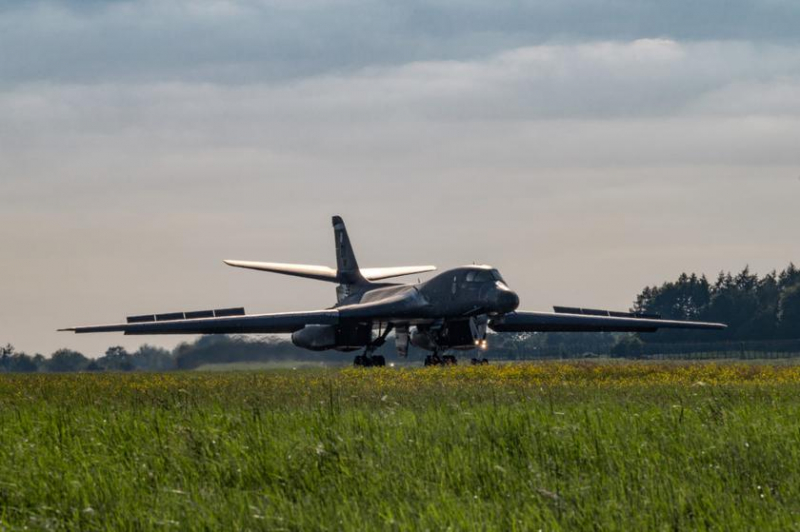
[316, 450]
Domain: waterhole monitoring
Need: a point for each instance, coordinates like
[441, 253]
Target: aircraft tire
[379, 361]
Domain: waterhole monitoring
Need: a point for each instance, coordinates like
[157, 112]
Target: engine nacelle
[323, 337]
[315, 337]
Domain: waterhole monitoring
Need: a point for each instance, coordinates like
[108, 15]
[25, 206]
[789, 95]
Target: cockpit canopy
[484, 276]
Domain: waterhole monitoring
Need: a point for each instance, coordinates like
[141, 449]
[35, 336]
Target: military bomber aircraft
[451, 311]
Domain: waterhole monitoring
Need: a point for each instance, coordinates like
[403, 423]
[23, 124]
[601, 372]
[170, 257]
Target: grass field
[518, 447]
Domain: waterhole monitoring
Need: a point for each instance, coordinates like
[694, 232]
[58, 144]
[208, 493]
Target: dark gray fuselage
[459, 293]
[443, 311]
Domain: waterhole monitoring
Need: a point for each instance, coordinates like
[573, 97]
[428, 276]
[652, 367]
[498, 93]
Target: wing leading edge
[286, 322]
[563, 322]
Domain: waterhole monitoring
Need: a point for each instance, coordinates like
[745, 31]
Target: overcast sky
[586, 148]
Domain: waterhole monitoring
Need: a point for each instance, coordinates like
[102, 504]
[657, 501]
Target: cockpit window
[483, 277]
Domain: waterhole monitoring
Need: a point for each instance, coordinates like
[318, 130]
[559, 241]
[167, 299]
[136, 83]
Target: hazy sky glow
[585, 148]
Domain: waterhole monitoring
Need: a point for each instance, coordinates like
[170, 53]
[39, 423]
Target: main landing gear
[370, 360]
[444, 360]
[450, 360]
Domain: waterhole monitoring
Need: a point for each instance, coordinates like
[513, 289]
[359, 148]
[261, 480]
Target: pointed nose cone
[507, 301]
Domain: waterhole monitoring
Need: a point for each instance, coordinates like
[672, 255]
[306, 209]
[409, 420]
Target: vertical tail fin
[345, 258]
[346, 263]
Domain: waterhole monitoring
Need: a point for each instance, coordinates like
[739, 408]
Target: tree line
[116, 358]
[186, 356]
[763, 313]
[754, 308]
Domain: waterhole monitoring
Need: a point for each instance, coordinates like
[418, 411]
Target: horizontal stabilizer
[376, 274]
[320, 273]
[324, 273]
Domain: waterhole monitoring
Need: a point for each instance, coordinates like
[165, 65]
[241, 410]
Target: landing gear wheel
[368, 359]
[449, 360]
[434, 360]
[484, 362]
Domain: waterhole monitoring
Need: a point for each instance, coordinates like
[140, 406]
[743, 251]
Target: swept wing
[580, 320]
[178, 323]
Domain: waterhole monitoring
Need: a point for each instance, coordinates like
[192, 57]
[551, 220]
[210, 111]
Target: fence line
[763, 349]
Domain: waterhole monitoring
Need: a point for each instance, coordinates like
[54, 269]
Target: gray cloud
[531, 94]
[250, 41]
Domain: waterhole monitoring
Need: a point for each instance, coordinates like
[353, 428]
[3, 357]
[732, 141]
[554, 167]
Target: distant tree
[94, 366]
[6, 353]
[67, 360]
[789, 312]
[745, 281]
[116, 359]
[736, 302]
[151, 358]
[628, 346]
[789, 277]
[22, 363]
[763, 324]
